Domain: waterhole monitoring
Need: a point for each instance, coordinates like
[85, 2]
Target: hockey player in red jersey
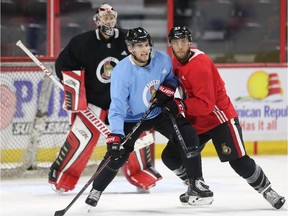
[85, 67]
[214, 117]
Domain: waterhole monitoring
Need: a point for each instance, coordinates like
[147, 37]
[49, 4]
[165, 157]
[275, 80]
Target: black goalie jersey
[97, 57]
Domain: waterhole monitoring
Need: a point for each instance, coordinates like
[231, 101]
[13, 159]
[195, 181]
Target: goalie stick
[94, 176]
[89, 115]
[189, 154]
[103, 129]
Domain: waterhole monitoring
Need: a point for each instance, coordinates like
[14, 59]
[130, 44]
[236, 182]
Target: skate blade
[90, 209]
[58, 191]
[142, 190]
[198, 201]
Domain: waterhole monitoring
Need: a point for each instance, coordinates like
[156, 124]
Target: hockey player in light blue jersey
[134, 86]
[143, 78]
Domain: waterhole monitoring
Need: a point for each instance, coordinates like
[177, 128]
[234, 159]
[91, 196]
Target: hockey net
[33, 123]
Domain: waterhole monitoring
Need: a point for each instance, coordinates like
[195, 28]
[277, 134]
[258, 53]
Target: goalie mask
[105, 19]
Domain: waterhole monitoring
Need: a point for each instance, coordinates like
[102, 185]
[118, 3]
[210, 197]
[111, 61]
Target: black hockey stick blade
[60, 212]
[63, 211]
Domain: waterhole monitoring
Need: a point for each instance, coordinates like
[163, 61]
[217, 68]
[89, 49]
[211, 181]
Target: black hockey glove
[175, 107]
[164, 94]
[114, 146]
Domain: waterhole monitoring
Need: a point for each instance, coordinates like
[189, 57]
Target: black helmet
[179, 32]
[136, 35]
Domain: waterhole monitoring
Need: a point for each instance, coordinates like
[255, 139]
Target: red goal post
[33, 123]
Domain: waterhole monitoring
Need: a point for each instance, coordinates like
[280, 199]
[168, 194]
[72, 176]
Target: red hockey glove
[164, 94]
[175, 107]
[114, 146]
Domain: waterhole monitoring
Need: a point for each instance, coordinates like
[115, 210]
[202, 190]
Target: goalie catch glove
[175, 107]
[164, 94]
[114, 146]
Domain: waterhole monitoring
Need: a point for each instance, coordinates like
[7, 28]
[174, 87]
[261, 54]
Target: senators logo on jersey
[104, 69]
[150, 91]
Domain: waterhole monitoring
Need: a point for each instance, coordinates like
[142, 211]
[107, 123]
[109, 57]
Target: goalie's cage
[33, 123]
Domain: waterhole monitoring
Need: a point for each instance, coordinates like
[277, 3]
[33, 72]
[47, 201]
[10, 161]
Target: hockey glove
[114, 146]
[164, 94]
[175, 107]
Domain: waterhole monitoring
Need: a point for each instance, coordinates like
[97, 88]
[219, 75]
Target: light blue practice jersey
[132, 87]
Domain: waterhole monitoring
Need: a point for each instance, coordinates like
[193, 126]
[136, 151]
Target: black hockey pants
[162, 123]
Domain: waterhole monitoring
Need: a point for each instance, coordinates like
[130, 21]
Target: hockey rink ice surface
[232, 195]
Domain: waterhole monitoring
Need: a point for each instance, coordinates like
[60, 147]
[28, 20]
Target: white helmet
[105, 22]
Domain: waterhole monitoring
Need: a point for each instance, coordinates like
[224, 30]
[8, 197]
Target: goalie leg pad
[139, 170]
[75, 153]
[74, 90]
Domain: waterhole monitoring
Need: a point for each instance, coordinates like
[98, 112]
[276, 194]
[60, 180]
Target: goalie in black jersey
[84, 67]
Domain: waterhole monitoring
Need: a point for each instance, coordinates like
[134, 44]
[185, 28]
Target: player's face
[141, 51]
[181, 48]
[108, 20]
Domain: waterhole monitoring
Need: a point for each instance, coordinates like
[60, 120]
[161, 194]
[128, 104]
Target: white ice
[232, 195]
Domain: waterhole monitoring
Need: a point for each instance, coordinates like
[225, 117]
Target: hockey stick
[94, 119]
[128, 136]
[188, 153]
[63, 211]
[94, 176]
[89, 115]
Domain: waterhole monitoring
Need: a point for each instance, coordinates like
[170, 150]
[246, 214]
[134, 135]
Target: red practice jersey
[208, 104]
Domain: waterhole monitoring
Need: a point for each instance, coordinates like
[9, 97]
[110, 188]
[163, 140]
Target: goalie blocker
[78, 148]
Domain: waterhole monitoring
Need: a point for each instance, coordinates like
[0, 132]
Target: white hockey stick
[89, 115]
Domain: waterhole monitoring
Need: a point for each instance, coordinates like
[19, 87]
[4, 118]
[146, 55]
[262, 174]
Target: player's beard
[182, 56]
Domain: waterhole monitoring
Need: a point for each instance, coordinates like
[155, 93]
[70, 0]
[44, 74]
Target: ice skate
[198, 193]
[273, 198]
[52, 178]
[93, 197]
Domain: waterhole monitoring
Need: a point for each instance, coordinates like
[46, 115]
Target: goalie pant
[78, 148]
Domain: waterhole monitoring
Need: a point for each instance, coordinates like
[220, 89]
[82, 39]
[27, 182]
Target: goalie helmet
[179, 32]
[105, 19]
[137, 35]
